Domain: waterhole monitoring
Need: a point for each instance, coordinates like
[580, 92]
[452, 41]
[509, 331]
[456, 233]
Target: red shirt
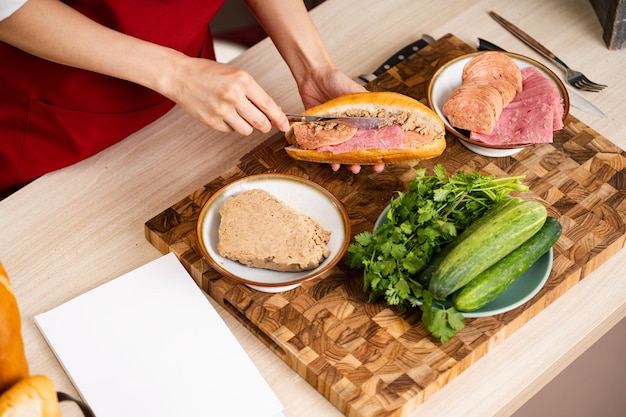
[52, 115]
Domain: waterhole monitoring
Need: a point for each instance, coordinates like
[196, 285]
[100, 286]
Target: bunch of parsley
[420, 223]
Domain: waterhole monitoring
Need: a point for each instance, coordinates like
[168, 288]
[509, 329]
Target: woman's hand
[219, 95]
[324, 84]
[223, 97]
[298, 41]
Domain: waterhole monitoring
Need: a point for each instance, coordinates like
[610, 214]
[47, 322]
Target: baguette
[416, 134]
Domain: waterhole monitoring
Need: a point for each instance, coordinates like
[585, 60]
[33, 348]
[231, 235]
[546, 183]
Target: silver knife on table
[575, 99]
[396, 58]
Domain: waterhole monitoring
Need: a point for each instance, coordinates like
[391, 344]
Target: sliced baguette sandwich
[416, 133]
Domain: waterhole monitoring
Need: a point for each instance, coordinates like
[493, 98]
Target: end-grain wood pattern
[369, 359]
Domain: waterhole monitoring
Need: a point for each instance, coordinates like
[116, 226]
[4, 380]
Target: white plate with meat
[271, 223]
[517, 131]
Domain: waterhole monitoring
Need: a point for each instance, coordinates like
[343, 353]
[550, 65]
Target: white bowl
[307, 197]
[449, 76]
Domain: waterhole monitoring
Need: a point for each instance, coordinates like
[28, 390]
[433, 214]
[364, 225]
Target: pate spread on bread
[259, 230]
[416, 132]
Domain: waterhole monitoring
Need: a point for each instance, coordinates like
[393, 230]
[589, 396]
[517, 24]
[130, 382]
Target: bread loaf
[258, 230]
[13, 364]
[34, 396]
[20, 394]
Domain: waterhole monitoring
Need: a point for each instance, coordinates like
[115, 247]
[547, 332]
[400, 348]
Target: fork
[575, 78]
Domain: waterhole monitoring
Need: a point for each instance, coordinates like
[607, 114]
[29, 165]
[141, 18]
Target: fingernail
[284, 127]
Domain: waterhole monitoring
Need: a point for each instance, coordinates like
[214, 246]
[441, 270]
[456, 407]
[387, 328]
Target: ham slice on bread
[417, 132]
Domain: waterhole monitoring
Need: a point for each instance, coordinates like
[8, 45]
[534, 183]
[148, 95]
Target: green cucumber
[485, 245]
[493, 281]
[426, 274]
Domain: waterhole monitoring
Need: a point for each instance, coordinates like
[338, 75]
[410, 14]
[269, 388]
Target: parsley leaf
[441, 322]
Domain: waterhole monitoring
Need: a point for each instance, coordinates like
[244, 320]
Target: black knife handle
[484, 45]
[400, 56]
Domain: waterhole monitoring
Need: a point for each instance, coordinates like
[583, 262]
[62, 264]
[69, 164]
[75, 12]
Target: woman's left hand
[325, 84]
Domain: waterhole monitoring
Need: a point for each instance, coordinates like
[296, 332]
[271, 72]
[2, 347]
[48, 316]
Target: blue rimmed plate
[523, 288]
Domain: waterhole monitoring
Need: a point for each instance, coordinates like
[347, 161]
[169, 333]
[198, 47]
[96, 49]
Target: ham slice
[314, 135]
[388, 137]
[490, 82]
[533, 115]
[520, 125]
[493, 66]
[540, 89]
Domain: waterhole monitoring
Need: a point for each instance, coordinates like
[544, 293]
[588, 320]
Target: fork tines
[580, 81]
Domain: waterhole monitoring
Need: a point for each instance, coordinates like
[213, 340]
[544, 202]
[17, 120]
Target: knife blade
[396, 58]
[575, 99]
[359, 122]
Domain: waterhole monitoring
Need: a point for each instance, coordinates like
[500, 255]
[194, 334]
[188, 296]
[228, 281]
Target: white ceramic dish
[447, 78]
[302, 195]
[522, 290]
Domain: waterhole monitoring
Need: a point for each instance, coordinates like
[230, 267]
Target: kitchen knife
[360, 122]
[575, 99]
[396, 58]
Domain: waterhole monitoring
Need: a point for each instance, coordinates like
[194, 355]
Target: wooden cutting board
[369, 359]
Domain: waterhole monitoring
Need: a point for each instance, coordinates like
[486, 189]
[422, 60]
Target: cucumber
[426, 274]
[492, 282]
[485, 245]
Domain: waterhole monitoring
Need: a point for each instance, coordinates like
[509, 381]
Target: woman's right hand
[223, 97]
[219, 95]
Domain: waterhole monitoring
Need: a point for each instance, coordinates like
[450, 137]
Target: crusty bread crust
[13, 364]
[374, 101]
[259, 230]
[371, 156]
[20, 394]
[34, 396]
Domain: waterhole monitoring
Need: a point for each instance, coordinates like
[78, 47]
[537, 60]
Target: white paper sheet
[149, 343]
